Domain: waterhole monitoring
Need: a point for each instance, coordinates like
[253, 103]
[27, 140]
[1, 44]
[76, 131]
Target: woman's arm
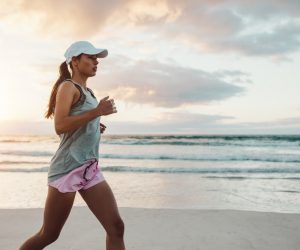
[64, 99]
[62, 120]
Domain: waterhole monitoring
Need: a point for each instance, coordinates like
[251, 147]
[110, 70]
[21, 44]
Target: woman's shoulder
[66, 85]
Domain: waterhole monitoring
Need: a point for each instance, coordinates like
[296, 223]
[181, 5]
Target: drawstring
[85, 171]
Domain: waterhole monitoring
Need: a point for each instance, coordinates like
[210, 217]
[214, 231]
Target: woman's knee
[117, 228]
[49, 236]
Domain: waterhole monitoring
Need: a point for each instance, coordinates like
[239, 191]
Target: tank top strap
[76, 84]
[92, 93]
[82, 94]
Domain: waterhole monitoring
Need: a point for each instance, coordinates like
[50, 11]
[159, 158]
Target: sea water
[245, 172]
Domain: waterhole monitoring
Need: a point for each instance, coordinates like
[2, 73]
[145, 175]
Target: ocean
[244, 172]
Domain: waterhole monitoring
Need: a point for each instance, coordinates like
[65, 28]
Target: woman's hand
[106, 106]
[102, 127]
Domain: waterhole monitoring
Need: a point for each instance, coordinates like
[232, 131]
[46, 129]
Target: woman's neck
[80, 80]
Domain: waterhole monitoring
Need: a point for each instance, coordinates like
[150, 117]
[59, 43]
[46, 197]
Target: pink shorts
[83, 177]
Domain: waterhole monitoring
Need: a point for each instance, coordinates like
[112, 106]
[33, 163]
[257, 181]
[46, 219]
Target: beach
[190, 109]
[173, 192]
[162, 229]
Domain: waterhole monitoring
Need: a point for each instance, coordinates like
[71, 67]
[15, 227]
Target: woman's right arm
[64, 98]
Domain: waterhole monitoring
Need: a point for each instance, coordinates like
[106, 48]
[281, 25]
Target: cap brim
[99, 52]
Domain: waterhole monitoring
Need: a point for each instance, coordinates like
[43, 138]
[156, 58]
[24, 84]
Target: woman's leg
[57, 209]
[102, 203]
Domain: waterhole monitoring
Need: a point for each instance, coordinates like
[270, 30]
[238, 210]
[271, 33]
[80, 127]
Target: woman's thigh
[101, 201]
[57, 209]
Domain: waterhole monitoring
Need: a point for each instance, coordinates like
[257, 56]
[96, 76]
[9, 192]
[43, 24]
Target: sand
[161, 229]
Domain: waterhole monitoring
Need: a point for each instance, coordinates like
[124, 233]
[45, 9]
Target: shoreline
[161, 229]
[166, 208]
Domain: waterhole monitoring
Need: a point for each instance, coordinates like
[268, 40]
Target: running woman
[74, 166]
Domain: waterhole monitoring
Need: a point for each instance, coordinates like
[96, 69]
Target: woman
[74, 166]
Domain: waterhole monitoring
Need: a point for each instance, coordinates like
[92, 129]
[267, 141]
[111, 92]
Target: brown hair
[64, 74]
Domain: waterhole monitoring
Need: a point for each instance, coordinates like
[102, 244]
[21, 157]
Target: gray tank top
[80, 145]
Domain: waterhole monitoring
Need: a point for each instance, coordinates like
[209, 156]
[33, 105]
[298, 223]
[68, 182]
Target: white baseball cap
[85, 47]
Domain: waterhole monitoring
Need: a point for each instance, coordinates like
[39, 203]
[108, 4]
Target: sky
[173, 67]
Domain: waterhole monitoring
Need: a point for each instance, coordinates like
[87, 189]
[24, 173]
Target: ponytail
[64, 74]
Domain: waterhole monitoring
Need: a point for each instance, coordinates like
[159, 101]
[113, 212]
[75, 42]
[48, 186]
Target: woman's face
[87, 64]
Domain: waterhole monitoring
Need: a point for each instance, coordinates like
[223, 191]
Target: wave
[203, 140]
[176, 170]
[13, 141]
[225, 137]
[249, 177]
[199, 170]
[263, 158]
[22, 162]
[25, 170]
[189, 140]
[287, 191]
[27, 139]
[249, 143]
[26, 153]
[199, 158]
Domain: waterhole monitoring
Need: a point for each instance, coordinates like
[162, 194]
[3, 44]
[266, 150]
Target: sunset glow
[205, 65]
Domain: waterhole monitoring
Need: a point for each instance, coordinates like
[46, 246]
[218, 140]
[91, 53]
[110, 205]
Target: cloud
[282, 39]
[161, 84]
[267, 9]
[238, 26]
[291, 121]
[76, 18]
[259, 28]
[236, 76]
